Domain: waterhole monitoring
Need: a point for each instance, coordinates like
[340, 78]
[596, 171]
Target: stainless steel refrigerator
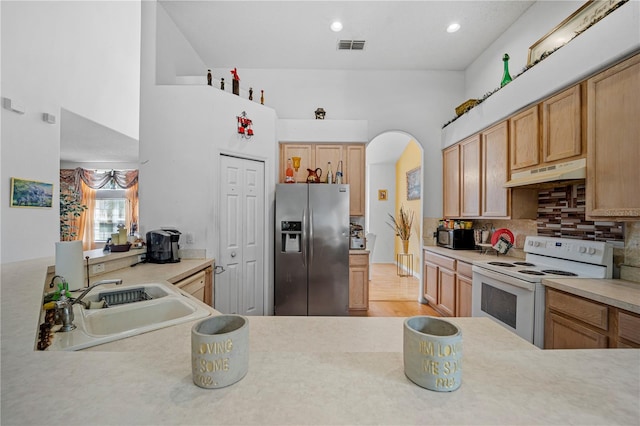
[312, 249]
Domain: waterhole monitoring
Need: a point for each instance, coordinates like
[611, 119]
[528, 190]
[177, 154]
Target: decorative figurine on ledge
[262, 97]
[250, 93]
[320, 113]
[222, 83]
[209, 78]
[235, 82]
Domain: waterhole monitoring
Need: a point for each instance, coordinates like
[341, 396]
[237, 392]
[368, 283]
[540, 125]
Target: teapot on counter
[314, 175]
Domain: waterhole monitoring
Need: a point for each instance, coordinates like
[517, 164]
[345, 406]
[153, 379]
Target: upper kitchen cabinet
[470, 170]
[495, 197]
[613, 144]
[306, 154]
[562, 125]
[451, 181]
[523, 139]
[314, 156]
[355, 177]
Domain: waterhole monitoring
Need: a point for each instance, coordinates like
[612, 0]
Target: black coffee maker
[162, 246]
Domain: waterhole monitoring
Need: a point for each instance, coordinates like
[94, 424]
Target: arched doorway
[390, 156]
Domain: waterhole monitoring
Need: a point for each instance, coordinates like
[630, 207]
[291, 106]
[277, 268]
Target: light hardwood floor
[393, 296]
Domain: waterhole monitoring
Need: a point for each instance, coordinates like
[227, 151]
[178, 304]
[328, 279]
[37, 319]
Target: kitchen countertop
[306, 370]
[469, 256]
[619, 293]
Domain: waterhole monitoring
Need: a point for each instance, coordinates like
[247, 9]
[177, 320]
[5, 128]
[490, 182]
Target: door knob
[233, 254]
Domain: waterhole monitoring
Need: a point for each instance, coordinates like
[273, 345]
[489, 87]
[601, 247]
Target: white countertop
[307, 370]
[469, 256]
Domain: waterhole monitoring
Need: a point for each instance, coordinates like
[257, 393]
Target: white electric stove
[511, 292]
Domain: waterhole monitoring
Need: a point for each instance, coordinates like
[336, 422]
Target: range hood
[571, 170]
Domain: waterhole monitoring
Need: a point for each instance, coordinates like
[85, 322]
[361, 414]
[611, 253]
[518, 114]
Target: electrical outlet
[98, 267]
[141, 257]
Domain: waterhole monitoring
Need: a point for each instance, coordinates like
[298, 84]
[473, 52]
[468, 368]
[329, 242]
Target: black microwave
[456, 239]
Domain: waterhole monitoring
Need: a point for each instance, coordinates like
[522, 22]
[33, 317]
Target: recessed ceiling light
[336, 26]
[453, 27]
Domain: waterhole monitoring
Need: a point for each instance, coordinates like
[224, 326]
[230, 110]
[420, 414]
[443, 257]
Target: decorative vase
[236, 87]
[506, 77]
[405, 246]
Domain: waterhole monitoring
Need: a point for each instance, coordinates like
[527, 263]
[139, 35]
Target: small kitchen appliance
[511, 292]
[356, 237]
[162, 246]
[456, 239]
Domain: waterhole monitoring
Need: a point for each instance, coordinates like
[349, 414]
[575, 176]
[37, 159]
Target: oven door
[508, 301]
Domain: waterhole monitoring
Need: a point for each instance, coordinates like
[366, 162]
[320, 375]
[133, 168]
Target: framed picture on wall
[31, 193]
[382, 194]
[413, 184]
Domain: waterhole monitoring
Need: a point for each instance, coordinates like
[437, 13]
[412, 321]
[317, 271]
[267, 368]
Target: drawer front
[445, 262]
[579, 308]
[193, 284]
[629, 327]
[464, 269]
[358, 259]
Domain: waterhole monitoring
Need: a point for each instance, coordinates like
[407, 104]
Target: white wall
[416, 102]
[183, 131]
[81, 56]
[382, 176]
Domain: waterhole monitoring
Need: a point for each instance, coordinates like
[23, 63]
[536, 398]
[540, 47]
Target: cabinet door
[463, 296]
[470, 177]
[359, 282]
[446, 291]
[495, 197]
[325, 154]
[451, 181]
[523, 139]
[562, 126]
[431, 283]
[613, 149]
[194, 285]
[563, 333]
[354, 175]
[305, 152]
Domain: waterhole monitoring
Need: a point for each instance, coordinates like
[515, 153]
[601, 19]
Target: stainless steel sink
[167, 307]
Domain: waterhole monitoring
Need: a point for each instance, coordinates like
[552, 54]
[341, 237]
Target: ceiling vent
[351, 44]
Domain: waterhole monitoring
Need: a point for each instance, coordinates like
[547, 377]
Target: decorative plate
[502, 232]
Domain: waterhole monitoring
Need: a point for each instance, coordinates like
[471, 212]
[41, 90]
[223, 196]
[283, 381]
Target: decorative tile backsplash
[561, 213]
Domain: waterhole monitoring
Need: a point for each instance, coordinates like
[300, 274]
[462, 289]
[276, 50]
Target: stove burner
[557, 272]
[531, 272]
[524, 263]
[506, 265]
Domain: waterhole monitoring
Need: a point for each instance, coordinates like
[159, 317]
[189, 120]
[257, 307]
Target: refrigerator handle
[304, 238]
[310, 236]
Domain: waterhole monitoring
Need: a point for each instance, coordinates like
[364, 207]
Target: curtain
[85, 182]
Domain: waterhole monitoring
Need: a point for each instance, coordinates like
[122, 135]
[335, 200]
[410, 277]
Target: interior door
[240, 288]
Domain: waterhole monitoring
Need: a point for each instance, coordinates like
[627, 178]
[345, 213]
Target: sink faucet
[64, 306]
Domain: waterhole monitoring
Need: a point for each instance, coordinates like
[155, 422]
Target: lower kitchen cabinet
[359, 282]
[446, 292]
[199, 285]
[574, 322]
[463, 289]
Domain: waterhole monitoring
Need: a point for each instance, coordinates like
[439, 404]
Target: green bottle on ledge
[506, 77]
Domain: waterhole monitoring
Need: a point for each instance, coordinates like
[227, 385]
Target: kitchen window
[109, 213]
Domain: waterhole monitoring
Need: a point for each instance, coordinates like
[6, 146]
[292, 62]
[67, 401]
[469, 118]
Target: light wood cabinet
[495, 197]
[470, 170]
[574, 322]
[562, 125]
[523, 139]
[354, 175]
[451, 181]
[199, 285]
[307, 160]
[446, 292]
[613, 148]
[442, 288]
[359, 282]
[314, 156]
[463, 289]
